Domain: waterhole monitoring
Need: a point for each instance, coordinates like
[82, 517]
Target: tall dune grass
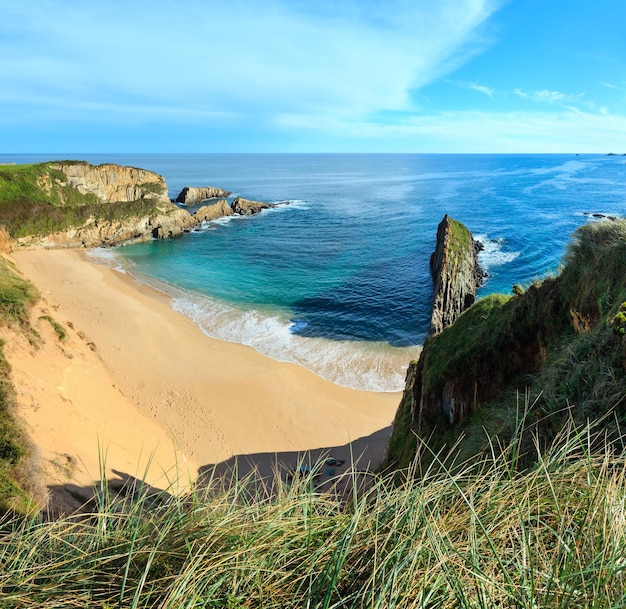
[486, 536]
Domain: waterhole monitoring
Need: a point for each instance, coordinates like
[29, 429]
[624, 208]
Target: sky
[423, 76]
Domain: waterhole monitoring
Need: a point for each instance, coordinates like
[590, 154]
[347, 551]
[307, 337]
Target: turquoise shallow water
[337, 280]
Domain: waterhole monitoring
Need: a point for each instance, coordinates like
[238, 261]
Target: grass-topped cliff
[552, 353]
[89, 205]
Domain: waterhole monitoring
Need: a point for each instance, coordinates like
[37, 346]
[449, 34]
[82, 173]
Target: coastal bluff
[510, 362]
[73, 204]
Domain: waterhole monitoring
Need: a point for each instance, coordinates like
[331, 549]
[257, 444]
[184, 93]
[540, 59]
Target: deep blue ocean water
[338, 280]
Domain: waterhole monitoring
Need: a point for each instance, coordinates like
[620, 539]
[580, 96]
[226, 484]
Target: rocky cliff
[75, 204]
[559, 342]
[157, 223]
[456, 273]
[192, 194]
[113, 183]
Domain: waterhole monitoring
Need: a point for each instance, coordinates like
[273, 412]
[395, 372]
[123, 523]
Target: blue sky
[313, 76]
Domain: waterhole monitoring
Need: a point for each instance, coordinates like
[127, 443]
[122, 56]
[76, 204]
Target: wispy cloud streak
[240, 56]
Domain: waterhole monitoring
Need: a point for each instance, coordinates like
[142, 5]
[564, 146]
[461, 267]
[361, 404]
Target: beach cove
[149, 391]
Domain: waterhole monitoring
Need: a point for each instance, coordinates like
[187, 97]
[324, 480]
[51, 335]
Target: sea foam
[365, 365]
[362, 365]
[494, 253]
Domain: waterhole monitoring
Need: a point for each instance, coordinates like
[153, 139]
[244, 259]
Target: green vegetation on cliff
[461, 240]
[37, 200]
[16, 297]
[558, 345]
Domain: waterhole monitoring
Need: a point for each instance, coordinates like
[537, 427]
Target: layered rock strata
[456, 273]
[114, 183]
[96, 232]
[192, 194]
[456, 276]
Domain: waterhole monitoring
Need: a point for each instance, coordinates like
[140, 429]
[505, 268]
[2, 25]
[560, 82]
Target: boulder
[212, 212]
[191, 194]
[245, 207]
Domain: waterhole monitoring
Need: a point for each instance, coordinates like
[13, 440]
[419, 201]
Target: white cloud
[242, 56]
[569, 130]
[474, 86]
[547, 96]
[482, 89]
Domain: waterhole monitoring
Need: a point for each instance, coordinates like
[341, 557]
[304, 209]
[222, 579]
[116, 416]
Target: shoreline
[367, 365]
[215, 399]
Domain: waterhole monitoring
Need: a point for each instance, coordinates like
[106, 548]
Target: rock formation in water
[456, 273]
[74, 204]
[192, 194]
[213, 212]
[245, 207]
[456, 276]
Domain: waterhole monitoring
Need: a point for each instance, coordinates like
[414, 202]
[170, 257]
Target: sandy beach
[142, 383]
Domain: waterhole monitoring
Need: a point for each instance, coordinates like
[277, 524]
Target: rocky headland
[69, 204]
[110, 183]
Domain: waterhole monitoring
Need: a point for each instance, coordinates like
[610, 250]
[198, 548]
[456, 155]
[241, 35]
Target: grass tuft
[486, 535]
[58, 328]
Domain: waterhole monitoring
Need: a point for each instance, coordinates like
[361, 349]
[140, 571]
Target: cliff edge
[552, 354]
[68, 204]
[113, 183]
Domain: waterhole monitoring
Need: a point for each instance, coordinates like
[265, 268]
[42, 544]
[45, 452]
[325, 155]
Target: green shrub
[619, 321]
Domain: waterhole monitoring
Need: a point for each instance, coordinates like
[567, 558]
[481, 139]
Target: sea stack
[455, 271]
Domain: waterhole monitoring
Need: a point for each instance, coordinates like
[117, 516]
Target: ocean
[337, 277]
